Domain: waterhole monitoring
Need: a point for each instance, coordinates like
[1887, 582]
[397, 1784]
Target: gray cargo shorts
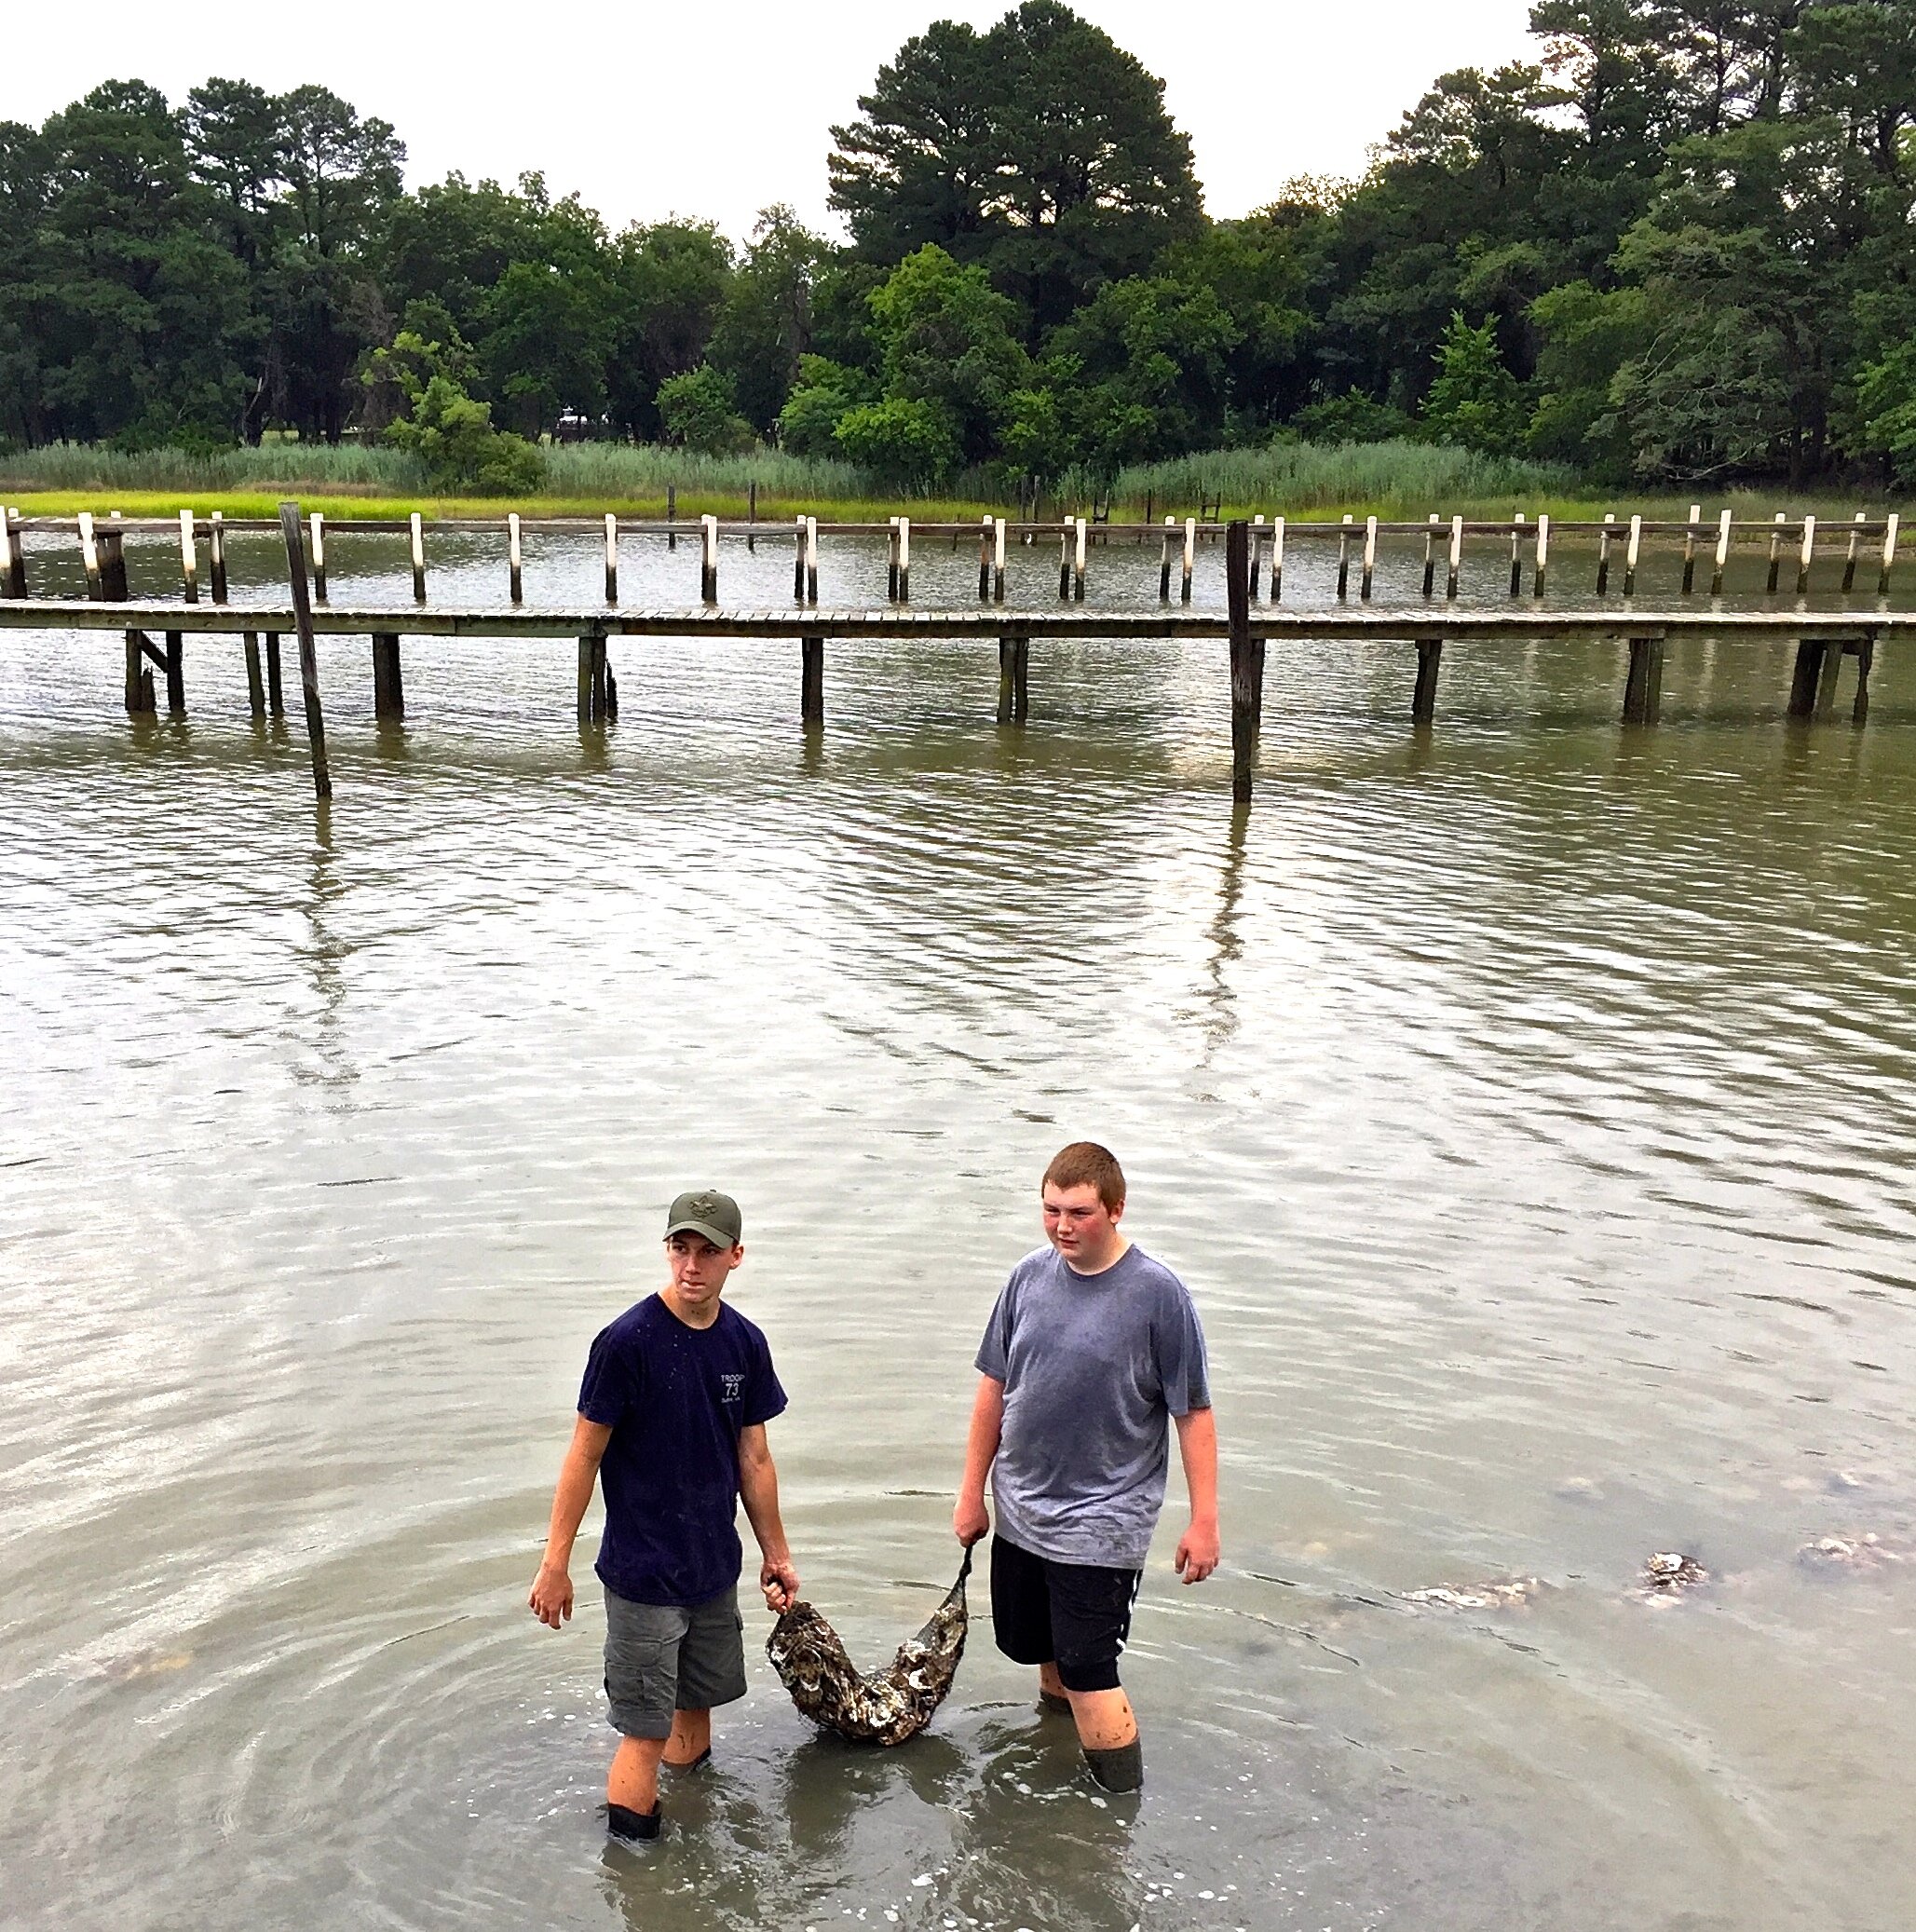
[666, 1657]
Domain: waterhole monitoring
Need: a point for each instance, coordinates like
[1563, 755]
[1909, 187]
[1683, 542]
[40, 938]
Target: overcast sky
[715, 110]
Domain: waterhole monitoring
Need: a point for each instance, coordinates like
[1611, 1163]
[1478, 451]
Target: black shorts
[1075, 1615]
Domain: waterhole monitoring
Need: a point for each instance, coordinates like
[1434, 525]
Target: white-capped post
[515, 577]
[189, 560]
[1541, 567]
[418, 560]
[316, 538]
[611, 558]
[1369, 559]
[1722, 557]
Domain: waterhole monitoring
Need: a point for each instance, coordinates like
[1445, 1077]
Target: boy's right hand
[971, 1521]
[551, 1594]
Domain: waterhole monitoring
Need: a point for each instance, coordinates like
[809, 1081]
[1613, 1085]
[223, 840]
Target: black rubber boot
[1118, 1770]
[623, 1822]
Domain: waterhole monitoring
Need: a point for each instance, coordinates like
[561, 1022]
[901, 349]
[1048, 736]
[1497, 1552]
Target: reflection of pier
[1822, 639]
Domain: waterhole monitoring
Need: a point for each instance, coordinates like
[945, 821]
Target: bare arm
[552, 1589]
[1197, 1445]
[970, 1519]
[758, 1490]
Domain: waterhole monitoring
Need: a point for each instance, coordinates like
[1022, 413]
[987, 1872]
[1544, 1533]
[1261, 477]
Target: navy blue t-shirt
[676, 1399]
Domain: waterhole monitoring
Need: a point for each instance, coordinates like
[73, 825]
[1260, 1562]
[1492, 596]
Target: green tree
[906, 440]
[824, 394]
[1475, 401]
[765, 324]
[700, 409]
[670, 281]
[453, 436]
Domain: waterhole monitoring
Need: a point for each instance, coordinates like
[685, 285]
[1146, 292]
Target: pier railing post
[308, 654]
[418, 535]
[1429, 555]
[611, 558]
[1516, 554]
[1690, 549]
[1454, 575]
[1164, 563]
[1246, 663]
[1078, 564]
[1190, 555]
[1724, 524]
[708, 569]
[1369, 570]
[1849, 560]
[1603, 538]
[1542, 568]
[1344, 559]
[812, 560]
[1256, 552]
[315, 524]
[798, 559]
[1889, 553]
[1775, 554]
[997, 535]
[1276, 559]
[1633, 548]
[984, 560]
[904, 560]
[15, 556]
[189, 560]
[216, 556]
[515, 576]
[1802, 564]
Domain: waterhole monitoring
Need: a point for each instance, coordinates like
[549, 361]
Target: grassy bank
[1390, 479]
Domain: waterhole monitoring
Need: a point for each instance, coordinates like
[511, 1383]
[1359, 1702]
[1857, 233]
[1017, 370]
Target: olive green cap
[705, 1212]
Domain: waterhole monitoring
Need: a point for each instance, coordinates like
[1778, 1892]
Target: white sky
[648, 111]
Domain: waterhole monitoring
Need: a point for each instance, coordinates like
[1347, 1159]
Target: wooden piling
[1721, 562]
[1889, 553]
[1603, 538]
[216, 556]
[1423, 699]
[905, 557]
[750, 517]
[1775, 553]
[112, 559]
[15, 556]
[1643, 689]
[586, 650]
[1247, 666]
[308, 655]
[1516, 554]
[1802, 683]
[1344, 558]
[811, 681]
[1078, 565]
[1865, 657]
[176, 673]
[1633, 549]
[1013, 679]
[1190, 556]
[1276, 558]
[1369, 570]
[1827, 675]
[1849, 561]
[997, 530]
[275, 689]
[812, 560]
[1429, 555]
[671, 514]
[708, 550]
[1256, 552]
[89, 557]
[611, 558]
[1065, 562]
[985, 560]
[1690, 549]
[388, 690]
[891, 560]
[515, 576]
[1164, 563]
[317, 525]
[1455, 572]
[189, 560]
[256, 689]
[1803, 561]
[1540, 569]
[418, 560]
[798, 560]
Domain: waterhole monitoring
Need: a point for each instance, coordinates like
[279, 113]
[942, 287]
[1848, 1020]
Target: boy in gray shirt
[1091, 1346]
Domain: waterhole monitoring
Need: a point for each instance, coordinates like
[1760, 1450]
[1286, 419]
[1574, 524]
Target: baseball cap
[706, 1212]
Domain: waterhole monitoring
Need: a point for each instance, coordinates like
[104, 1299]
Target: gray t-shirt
[1091, 1365]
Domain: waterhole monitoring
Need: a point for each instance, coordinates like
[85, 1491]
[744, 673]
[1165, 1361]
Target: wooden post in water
[985, 561]
[176, 673]
[904, 560]
[611, 558]
[752, 518]
[418, 535]
[216, 556]
[1276, 558]
[1429, 555]
[708, 567]
[1369, 570]
[189, 560]
[1429, 661]
[1516, 556]
[798, 559]
[891, 560]
[1722, 556]
[1603, 538]
[275, 690]
[1866, 656]
[587, 644]
[1889, 553]
[1802, 564]
[997, 530]
[1190, 555]
[1247, 667]
[317, 525]
[89, 557]
[1078, 565]
[1828, 674]
[1165, 562]
[1455, 570]
[1542, 568]
[1256, 552]
[1344, 558]
[1775, 552]
[1643, 689]
[605, 687]
[812, 560]
[1013, 679]
[1849, 561]
[308, 655]
[1802, 683]
[388, 691]
[1065, 562]
[1633, 549]
[256, 689]
[1690, 549]
[672, 512]
[15, 556]
[811, 681]
[515, 574]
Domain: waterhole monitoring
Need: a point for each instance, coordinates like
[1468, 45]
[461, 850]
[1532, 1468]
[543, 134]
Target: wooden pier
[1247, 625]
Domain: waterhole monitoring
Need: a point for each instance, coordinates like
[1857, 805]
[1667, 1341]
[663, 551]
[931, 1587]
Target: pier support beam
[1246, 662]
[275, 689]
[176, 673]
[1828, 674]
[388, 690]
[1430, 659]
[1643, 689]
[811, 681]
[256, 687]
[1803, 684]
[1013, 680]
[1866, 656]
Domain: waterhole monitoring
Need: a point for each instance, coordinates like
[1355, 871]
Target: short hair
[1086, 1165]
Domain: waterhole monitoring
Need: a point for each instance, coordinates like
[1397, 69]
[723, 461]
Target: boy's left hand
[1197, 1553]
[779, 1583]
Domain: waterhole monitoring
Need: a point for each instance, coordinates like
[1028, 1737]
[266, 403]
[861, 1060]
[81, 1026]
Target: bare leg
[691, 1740]
[1049, 1682]
[1105, 1719]
[633, 1779]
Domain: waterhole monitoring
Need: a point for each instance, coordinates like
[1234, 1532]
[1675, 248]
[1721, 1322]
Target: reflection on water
[1529, 1104]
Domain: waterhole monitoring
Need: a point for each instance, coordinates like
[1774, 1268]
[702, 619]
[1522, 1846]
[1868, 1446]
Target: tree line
[1677, 246]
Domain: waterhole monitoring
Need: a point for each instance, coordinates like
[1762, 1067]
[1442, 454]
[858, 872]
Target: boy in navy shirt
[671, 1419]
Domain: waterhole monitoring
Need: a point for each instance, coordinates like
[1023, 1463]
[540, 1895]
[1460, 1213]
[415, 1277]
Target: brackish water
[1527, 1104]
